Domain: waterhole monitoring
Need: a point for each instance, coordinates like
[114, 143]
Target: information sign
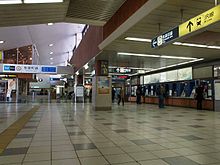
[200, 21]
[165, 37]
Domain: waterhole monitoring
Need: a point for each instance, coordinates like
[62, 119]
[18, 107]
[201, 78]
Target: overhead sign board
[16, 68]
[123, 70]
[203, 20]
[165, 37]
[48, 69]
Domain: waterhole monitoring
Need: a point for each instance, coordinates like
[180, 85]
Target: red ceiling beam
[88, 47]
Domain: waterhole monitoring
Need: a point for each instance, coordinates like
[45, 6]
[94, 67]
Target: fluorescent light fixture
[93, 73]
[197, 45]
[138, 39]
[177, 43]
[50, 24]
[4, 2]
[174, 65]
[213, 47]
[88, 73]
[43, 1]
[77, 73]
[177, 57]
[86, 66]
[2, 42]
[194, 45]
[112, 67]
[51, 52]
[156, 56]
[136, 54]
[50, 45]
[51, 58]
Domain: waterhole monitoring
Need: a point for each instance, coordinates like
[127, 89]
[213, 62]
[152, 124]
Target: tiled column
[101, 87]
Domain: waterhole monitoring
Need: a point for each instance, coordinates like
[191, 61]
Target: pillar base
[102, 108]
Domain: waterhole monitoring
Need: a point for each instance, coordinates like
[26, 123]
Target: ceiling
[93, 12]
[25, 24]
[160, 20]
[61, 35]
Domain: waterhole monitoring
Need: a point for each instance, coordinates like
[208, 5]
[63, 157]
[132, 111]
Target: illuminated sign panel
[16, 68]
[200, 21]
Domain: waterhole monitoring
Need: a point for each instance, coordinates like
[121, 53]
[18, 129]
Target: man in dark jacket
[199, 96]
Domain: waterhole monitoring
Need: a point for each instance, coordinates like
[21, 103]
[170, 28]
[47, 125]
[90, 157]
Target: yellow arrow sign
[1, 55]
[207, 18]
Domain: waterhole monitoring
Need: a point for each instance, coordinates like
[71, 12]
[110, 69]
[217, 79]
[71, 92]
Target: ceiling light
[51, 58]
[136, 54]
[197, 45]
[30, 58]
[50, 45]
[51, 63]
[182, 63]
[138, 39]
[51, 53]
[2, 42]
[43, 1]
[86, 66]
[156, 56]
[2, 2]
[177, 43]
[50, 24]
[194, 45]
[177, 57]
[213, 47]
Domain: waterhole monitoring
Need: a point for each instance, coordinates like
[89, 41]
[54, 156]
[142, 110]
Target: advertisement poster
[104, 68]
[103, 85]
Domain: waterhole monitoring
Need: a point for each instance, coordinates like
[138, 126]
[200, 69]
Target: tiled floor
[9, 113]
[74, 134]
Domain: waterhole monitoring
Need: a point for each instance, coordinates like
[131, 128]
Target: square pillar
[101, 87]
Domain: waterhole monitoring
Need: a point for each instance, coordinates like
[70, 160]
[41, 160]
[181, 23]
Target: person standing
[113, 95]
[121, 97]
[199, 97]
[90, 95]
[161, 95]
[138, 95]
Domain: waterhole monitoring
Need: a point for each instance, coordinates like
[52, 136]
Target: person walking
[199, 97]
[121, 97]
[161, 96]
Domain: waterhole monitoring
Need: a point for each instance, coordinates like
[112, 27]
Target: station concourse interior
[117, 82]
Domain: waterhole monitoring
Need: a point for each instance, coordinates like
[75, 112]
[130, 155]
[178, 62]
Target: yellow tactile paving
[9, 134]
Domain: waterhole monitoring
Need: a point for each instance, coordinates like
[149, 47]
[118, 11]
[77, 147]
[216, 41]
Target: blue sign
[9, 68]
[49, 69]
[54, 79]
[165, 38]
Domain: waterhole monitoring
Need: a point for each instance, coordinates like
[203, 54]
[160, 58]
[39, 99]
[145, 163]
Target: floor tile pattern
[74, 134]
